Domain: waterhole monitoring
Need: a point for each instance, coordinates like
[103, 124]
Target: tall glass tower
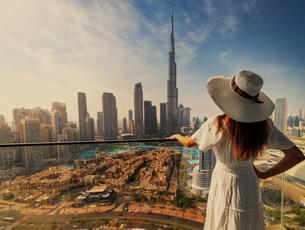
[172, 91]
[82, 114]
[280, 113]
[138, 109]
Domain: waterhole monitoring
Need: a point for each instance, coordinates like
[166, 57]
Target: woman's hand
[173, 137]
[259, 173]
[184, 140]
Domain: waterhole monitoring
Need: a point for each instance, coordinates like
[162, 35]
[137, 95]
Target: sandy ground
[190, 213]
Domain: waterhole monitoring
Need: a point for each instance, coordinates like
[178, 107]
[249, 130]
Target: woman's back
[237, 138]
[234, 196]
[208, 136]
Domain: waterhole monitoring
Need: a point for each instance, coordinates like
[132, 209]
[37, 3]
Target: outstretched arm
[184, 140]
[292, 157]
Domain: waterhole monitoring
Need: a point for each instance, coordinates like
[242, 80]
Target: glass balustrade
[125, 185]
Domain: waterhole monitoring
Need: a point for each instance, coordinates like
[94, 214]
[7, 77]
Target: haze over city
[50, 50]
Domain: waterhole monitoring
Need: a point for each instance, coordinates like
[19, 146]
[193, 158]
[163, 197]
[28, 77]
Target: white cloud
[223, 55]
[62, 47]
[209, 9]
[230, 23]
[50, 50]
[249, 5]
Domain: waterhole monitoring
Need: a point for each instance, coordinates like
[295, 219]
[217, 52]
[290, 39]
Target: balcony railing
[122, 184]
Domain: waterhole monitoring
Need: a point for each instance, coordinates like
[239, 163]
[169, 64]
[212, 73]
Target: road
[45, 221]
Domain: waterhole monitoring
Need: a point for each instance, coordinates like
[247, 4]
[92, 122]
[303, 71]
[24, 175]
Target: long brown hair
[248, 139]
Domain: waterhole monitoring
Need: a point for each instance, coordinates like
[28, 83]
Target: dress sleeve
[206, 136]
[277, 139]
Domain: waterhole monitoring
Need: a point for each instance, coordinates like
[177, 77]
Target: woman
[237, 138]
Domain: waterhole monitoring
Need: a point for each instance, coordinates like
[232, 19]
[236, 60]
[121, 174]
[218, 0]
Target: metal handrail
[83, 142]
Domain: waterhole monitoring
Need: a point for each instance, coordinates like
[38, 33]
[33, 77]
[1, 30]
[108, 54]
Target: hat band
[242, 93]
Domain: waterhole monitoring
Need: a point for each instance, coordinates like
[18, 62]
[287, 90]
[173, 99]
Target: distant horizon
[120, 119]
[51, 50]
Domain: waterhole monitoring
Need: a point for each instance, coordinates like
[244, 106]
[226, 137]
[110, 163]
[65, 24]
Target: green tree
[276, 214]
[182, 200]
[301, 218]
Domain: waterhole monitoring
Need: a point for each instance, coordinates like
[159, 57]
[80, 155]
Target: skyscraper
[280, 113]
[90, 134]
[70, 133]
[202, 173]
[172, 90]
[184, 116]
[150, 118]
[57, 124]
[196, 124]
[130, 122]
[62, 109]
[7, 155]
[187, 117]
[30, 132]
[82, 114]
[42, 114]
[130, 116]
[162, 118]
[100, 124]
[290, 121]
[18, 115]
[125, 125]
[131, 126]
[138, 109]
[110, 116]
[154, 120]
[47, 135]
[147, 117]
[180, 116]
[60, 116]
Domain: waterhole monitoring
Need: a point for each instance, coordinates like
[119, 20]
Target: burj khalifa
[172, 90]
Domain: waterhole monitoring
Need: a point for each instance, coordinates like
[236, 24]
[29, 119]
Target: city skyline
[63, 51]
[3, 117]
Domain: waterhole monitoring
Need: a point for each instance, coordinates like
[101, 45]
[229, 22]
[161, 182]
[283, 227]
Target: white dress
[234, 201]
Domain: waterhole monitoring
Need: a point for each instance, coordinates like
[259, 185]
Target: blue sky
[50, 50]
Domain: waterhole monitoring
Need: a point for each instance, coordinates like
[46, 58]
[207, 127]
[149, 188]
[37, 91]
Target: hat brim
[236, 106]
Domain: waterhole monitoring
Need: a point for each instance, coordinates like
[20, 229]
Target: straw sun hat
[240, 97]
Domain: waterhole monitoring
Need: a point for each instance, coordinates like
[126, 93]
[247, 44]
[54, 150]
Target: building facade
[7, 155]
[172, 90]
[280, 113]
[59, 117]
[125, 129]
[82, 114]
[138, 110]
[162, 119]
[90, 133]
[202, 173]
[30, 132]
[150, 119]
[110, 116]
[47, 135]
[130, 122]
[18, 115]
[100, 124]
